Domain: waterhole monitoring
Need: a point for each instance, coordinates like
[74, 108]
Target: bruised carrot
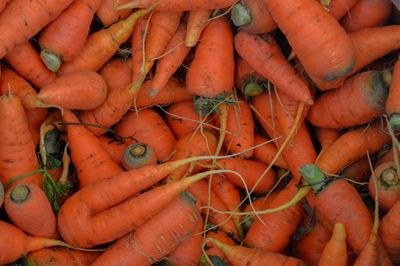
[263, 54]
[156, 238]
[267, 152]
[389, 232]
[338, 8]
[366, 14]
[92, 163]
[252, 16]
[196, 22]
[28, 207]
[117, 73]
[392, 106]
[335, 251]
[358, 171]
[114, 148]
[25, 22]
[62, 40]
[108, 15]
[247, 79]
[212, 69]
[177, 5]
[137, 155]
[34, 70]
[60, 257]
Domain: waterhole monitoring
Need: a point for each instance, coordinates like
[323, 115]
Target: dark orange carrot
[148, 127]
[338, 8]
[263, 54]
[25, 23]
[252, 16]
[157, 237]
[389, 232]
[196, 22]
[114, 148]
[358, 171]
[335, 251]
[366, 14]
[102, 45]
[3, 4]
[392, 106]
[247, 79]
[177, 5]
[62, 40]
[17, 154]
[60, 257]
[34, 70]
[325, 55]
[212, 69]
[267, 152]
[326, 137]
[175, 53]
[137, 155]
[91, 161]
[360, 99]
[108, 15]
[28, 207]
[117, 73]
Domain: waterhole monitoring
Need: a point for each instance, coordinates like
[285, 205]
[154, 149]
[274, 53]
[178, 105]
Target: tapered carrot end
[339, 232]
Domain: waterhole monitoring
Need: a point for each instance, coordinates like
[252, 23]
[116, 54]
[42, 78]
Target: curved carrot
[247, 79]
[28, 207]
[177, 5]
[60, 257]
[267, 152]
[196, 22]
[212, 69]
[335, 251]
[108, 15]
[392, 104]
[137, 155]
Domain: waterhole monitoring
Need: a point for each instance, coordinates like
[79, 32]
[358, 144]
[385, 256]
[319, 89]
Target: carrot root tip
[240, 15]
[19, 193]
[395, 122]
[51, 60]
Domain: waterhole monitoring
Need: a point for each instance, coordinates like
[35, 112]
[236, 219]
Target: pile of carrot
[219, 132]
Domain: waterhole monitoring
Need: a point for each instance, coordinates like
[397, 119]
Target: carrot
[28, 207]
[156, 238]
[25, 23]
[92, 163]
[117, 73]
[175, 53]
[114, 148]
[17, 150]
[108, 15]
[212, 251]
[102, 45]
[138, 48]
[148, 127]
[1, 194]
[60, 257]
[252, 16]
[206, 198]
[72, 91]
[274, 234]
[360, 99]
[247, 79]
[366, 14]
[212, 69]
[267, 152]
[137, 155]
[338, 8]
[335, 251]
[352, 146]
[392, 106]
[326, 137]
[177, 5]
[188, 252]
[196, 22]
[3, 4]
[358, 171]
[389, 232]
[241, 256]
[34, 70]
[263, 54]
[63, 39]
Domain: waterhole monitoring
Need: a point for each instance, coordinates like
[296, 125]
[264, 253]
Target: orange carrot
[102, 45]
[247, 79]
[156, 238]
[17, 154]
[211, 250]
[117, 73]
[326, 137]
[389, 232]
[148, 127]
[212, 69]
[108, 15]
[72, 91]
[34, 70]
[338, 8]
[335, 251]
[63, 39]
[60, 257]
[366, 14]
[114, 148]
[3, 4]
[138, 46]
[177, 5]
[358, 171]
[392, 106]
[28, 207]
[267, 152]
[92, 162]
[259, 204]
[137, 155]
[196, 22]
[263, 54]
[25, 23]
[252, 16]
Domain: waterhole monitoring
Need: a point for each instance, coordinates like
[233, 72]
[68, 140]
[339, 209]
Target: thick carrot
[137, 155]
[102, 45]
[359, 171]
[156, 238]
[338, 8]
[252, 16]
[242, 256]
[60, 257]
[117, 73]
[114, 148]
[17, 150]
[177, 5]
[62, 40]
[263, 54]
[267, 152]
[326, 137]
[392, 105]
[148, 127]
[325, 55]
[92, 163]
[360, 99]
[108, 15]
[247, 79]
[175, 53]
[82, 90]
[28, 207]
[366, 14]
[212, 70]
[196, 22]
[352, 146]
[19, 23]
[389, 231]
[335, 251]
[34, 70]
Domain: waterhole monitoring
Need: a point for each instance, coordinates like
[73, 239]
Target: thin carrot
[335, 251]
[138, 41]
[392, 106]
[114, 148]
[267, 152]
[60, 257]
[197, 20]
[108, 15]
[263, 54]
[137, 155]
[177, 5]
[338, 8]
[247, 79]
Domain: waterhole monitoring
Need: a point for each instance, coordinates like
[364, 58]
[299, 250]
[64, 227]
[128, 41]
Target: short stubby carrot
[177, 5]
[61, 256]
[392, 104]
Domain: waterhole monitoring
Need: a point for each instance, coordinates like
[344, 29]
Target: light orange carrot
[197, 20]
[335, 251]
